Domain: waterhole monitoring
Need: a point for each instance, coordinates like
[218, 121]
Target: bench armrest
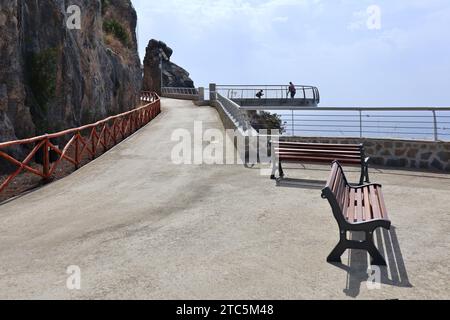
[367, 185]
[363, 225]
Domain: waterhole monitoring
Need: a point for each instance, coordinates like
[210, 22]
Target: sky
[357, 52]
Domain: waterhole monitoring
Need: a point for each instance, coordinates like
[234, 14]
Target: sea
[407, 124]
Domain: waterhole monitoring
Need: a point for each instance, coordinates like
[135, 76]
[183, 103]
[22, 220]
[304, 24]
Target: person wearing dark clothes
[292, 90]
[260, 94]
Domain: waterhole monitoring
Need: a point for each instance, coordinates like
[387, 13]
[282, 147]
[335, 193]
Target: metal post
[212, 92]
[435, 121]
[201, 94]
[293, 128]
[360, 124]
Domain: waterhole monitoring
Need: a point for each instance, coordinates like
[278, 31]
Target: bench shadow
[394, 274]
[382, 170]
[301, 183]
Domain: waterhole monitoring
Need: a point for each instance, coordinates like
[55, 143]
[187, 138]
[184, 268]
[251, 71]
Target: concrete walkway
[140, 227]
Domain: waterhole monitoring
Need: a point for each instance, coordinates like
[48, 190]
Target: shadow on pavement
[301, 183]
[394, 274]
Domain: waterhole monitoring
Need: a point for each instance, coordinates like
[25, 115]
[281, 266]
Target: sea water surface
[407, 124]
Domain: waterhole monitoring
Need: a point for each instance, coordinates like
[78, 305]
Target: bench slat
[326, 156]
[316, 159]
[374, 202]
[337, 181]
[340, 189]
[356, 151]
[382, 204]
[318, 151]
[346, 201]
[313, 145]
[359, 208]
[351, 206]
[367, 207]
[332, 177]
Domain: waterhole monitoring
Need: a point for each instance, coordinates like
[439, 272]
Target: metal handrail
[414, 123]
[179, 91]
[247, 92]
[98, 136]
[410, 123]
[234, 110]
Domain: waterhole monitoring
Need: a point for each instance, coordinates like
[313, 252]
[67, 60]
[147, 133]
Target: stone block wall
[396, 153]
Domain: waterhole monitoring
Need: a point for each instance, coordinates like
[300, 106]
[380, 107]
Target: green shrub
[115, 28]
[266, 120]
[43, 67]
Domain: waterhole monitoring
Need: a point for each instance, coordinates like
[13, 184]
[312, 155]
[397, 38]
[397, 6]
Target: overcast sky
[326, 43]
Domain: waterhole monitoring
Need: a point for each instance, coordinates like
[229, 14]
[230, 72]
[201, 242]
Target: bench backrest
[337, 192]
[314, 152]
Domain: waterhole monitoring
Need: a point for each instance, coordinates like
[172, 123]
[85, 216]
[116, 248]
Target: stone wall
[397, 153]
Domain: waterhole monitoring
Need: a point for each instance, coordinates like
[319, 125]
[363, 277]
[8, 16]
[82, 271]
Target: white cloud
[280, 19]
[199, 16]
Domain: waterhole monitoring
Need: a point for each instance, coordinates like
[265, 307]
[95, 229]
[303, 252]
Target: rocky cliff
[172, 74]
[53, 77]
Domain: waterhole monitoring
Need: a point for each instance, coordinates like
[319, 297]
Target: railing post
[46, 160]
[77, 151]
[212, 92]
[105, 138]
[360, 124]
[94, 148]
[201, 93]
[435, 122]
[293, 125]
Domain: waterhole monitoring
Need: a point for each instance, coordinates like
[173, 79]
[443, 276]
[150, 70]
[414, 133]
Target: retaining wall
[396, 153]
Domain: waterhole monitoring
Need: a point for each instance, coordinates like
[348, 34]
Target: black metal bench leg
[274, 170]
[335, 255]
[377, 258]
[280, 170]
[367, 174]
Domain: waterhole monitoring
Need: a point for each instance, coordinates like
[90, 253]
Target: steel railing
[234, 110]
[168, 91]
[414, 123]
[75, 145]
[276, 92]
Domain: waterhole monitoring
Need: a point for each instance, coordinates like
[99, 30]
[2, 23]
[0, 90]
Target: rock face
[53, 77]
[172, 75]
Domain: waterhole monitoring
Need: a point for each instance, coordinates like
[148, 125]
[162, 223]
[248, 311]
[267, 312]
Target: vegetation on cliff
[114, 27]
[43, 66]
[266, 120]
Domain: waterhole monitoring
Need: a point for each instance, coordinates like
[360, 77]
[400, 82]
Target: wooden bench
[355, 209]
[295, 152]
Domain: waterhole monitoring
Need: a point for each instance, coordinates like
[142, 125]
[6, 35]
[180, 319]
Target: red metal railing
[86, 141]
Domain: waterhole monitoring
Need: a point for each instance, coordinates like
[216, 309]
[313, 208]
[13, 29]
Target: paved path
[139, 226]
